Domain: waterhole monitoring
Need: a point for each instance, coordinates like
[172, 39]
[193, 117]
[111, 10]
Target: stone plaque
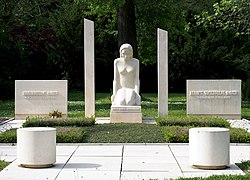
[40, 97]
[220, 98]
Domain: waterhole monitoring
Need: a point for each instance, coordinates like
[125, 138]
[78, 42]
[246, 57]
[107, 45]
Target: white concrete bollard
[36, 147]
[209, 147]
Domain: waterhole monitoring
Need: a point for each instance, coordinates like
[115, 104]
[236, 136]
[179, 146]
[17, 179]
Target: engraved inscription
[214, 94]
[40, 94]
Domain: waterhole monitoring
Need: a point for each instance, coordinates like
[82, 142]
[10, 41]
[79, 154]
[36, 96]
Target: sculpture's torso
[127, 73]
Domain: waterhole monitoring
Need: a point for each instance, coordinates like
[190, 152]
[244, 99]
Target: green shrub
[8, 136]
[48, 122]
[179, 134]
[69, 134]
[239, 135]
[194, 121]
[63, 135]
[175, 134]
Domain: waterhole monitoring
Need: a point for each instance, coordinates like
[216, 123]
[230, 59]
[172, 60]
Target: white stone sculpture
[126, 82]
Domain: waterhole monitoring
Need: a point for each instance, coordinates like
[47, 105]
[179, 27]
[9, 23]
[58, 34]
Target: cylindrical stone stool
[209, 147]
[36, 147]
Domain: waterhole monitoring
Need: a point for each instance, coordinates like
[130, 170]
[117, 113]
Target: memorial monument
[126, 101]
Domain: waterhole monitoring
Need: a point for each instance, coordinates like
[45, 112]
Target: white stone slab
[232, 170]
[65, 150]
[162, 58]
[239, 154]
[88, 175]
[214, 98]
[40, 97]
[180, 150]
[102, 120]
[125, 114]
[8, 150]
[97, 151]
[89, 68]
[8, 158]
[13, 171]
[8, 153]
[150, 163]
[150, 175]
[94, 163]
[145, 151]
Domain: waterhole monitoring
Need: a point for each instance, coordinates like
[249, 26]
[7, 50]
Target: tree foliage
[228, 14]
[44, 40]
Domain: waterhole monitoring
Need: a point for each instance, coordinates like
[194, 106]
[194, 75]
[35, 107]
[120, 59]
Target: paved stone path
[119, 162]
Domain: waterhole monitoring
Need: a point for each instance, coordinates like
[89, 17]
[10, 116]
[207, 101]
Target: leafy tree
[228, 14]
[229, 22]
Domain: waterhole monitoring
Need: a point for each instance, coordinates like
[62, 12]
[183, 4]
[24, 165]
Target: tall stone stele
[126, 101]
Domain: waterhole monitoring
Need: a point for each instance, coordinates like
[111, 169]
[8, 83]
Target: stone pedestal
[36, 147]
[209, 148]
[125, 114]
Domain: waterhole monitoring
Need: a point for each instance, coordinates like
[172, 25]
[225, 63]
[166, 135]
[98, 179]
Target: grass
[245, 166]
[124, 133]
[176, 106]
[3, 164]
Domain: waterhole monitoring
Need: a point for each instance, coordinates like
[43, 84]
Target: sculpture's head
[126, 50]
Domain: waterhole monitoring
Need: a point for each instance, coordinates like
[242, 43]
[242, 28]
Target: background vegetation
[44, 40]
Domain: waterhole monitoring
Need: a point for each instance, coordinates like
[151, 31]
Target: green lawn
[177, 105]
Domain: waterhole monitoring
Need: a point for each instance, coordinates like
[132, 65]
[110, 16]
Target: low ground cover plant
[179, 134]
[63, 135]
[192, 121]
[124, 133]
[52, 122]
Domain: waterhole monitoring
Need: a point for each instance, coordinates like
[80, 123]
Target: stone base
[209, 167]
[36, 165]
[225, 116]
[125, 114]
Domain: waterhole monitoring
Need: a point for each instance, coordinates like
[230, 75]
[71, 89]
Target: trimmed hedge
[175, 134]
[63, 135]
[179, 134]
[239, 135]
[48, 122]
[194, 121]
[8, 136]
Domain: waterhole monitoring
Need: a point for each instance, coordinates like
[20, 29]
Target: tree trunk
[127, 25]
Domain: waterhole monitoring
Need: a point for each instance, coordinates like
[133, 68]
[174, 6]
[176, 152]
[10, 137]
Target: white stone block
[220, 98]
[209, 147]
[162, 58]
[36, 147]
[89, 68]
[40, 97]
[125, 114]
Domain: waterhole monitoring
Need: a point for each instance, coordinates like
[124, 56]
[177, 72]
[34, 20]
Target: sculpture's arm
[115, 85]
[137, 80]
